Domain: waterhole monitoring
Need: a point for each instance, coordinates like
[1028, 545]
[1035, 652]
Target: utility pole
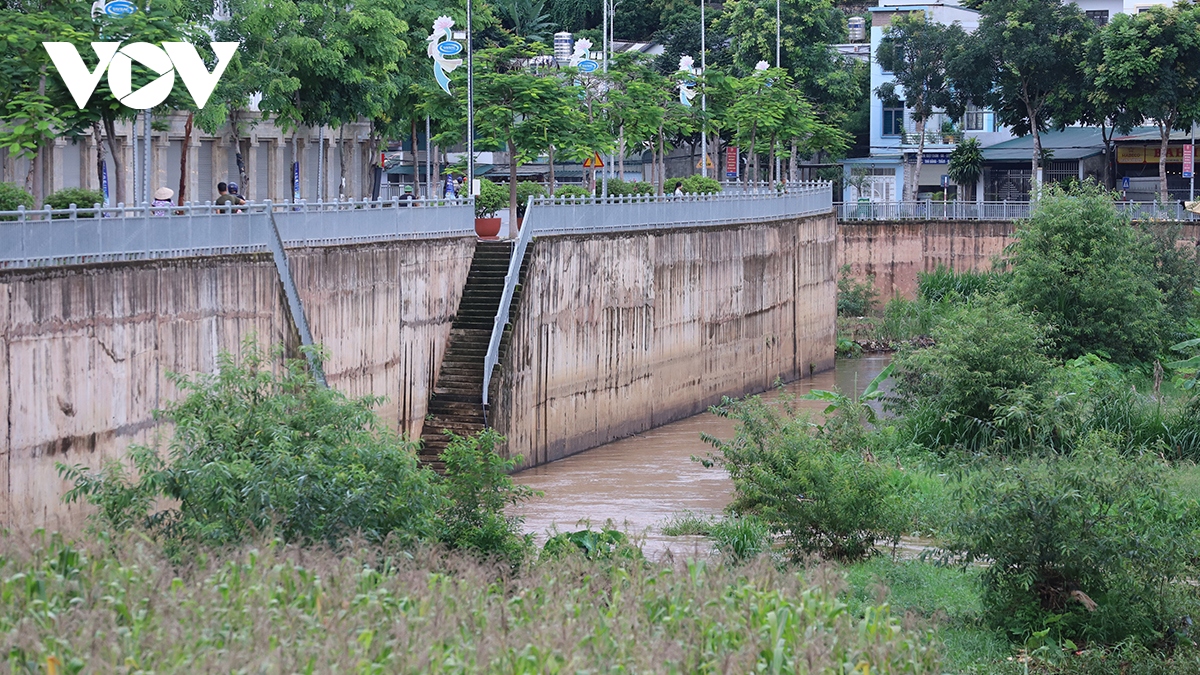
[605, 5]
[147, 191]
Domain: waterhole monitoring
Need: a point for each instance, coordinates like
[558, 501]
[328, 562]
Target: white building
[893, 134]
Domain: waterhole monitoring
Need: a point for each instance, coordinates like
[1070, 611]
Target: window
[893, 121]
[1098, 16]
[973, 118]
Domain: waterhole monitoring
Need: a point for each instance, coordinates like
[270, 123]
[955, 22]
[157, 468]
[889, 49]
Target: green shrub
[84, 199]
[258, 451]
[741, 538]
[525, 190]
[572, 191]
[479, 488]
[908, 319]
[11, 197]
[593, 545]
[618, 187]
[491, 198]
[1082, 267]
[1177, 276]
[855, 298]
[944, 282]
[818, 499]
[688, 523]
[986, 355]
[696, 185]
[1092, 546]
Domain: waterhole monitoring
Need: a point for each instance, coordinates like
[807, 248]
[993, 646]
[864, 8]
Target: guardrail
[72, 236]
[932, 210]
[590, 215]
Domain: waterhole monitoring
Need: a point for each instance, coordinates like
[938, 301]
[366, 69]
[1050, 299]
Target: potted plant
[489, 200]
[948, 132]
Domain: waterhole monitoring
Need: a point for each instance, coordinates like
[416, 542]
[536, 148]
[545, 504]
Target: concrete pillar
[255, 192]
[55, 180]
[221, 148]
[275, 171]
[162, 141]
[194, 191]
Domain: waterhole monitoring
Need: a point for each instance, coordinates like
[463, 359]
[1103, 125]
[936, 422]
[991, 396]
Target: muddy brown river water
[637, 483]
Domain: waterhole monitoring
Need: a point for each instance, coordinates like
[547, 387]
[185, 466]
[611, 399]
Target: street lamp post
[470, 183]
[604, 46]
[703, 100]
[778, 64]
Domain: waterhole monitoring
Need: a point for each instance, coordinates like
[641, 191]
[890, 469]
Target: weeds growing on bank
[120, 605]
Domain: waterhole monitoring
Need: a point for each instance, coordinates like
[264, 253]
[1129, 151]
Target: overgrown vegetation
[118, 605]
[259, 450]
[855, 298]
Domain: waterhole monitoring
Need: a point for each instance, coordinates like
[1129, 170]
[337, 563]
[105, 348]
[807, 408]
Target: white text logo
[171, 58]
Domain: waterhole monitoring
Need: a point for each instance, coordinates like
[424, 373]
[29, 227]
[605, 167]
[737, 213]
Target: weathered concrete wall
[619, 333]
[895, 251]
[84, 351]
[383, 312]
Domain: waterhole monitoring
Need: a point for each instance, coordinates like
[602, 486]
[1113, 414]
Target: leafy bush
[1177, 276]
[688, 523]
[572, 191]
[479, 487]
[741, 538]
[84, 199]
[256, 451]
[618, 187]
[491, 198]
[11, 197]
[908, 319]
[855, 298]
[985, 353]
[1082, 267]
[693, 185]
[945, 282]
[818, 499]
[1091, 546]
[525, 190]
[593, 545]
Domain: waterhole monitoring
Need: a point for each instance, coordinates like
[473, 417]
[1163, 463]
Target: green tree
[1086, 272]
[917, 52]
[1021, 62]
[966, 164]
[1146, 64]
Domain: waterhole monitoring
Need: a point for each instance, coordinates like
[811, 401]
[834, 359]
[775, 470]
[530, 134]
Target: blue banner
[295, 181]
[104, 180]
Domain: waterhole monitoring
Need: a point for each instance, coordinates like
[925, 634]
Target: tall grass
[118, 606]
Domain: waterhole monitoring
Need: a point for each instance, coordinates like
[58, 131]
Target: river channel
[638, 482]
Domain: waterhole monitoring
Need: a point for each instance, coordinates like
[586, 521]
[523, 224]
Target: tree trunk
[550, 154]
[662, 158]
[621, 152]
[914, 190]
[183, 157]
[415, 162]
[1106, 134]
[792, 162]
[98, 136]
[343, 163]
[771, 161]
[512, 190]
[39, 160]
[118, 192]
[1035, 180]
[1164, 132]
[437, 173]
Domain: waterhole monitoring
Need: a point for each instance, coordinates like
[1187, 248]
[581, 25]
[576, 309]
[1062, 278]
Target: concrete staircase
[457, 401]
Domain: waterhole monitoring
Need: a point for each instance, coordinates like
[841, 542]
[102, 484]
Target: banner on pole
[731, 162]
[442, 45]
[1187, 161]
[295, 181]
[104, 180]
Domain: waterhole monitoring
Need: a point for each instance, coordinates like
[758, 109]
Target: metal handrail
[993, 210]
[51, 237]
[629, 213]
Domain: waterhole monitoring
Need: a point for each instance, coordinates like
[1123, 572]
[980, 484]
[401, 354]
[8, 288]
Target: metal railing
[590, 215]
[953, 210]
[72, 236]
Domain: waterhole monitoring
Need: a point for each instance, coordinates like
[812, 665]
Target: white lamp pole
[778, 64]
[470, 182]
[703, 100]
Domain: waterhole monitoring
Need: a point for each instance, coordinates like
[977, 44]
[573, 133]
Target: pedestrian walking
[223, 197]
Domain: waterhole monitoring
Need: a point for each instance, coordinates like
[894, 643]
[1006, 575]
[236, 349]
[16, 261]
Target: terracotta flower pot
[487, 228]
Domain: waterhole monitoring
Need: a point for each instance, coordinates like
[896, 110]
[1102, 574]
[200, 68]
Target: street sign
[1125, 183]
[706, 161]
[1187, 161]
[120, 8]
[594, 162]
[588, 66]
[945, 181]
[731, 162]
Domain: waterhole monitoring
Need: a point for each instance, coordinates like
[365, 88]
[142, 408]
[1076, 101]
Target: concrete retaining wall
[84, 351]
[619, 333]
[895, 251]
